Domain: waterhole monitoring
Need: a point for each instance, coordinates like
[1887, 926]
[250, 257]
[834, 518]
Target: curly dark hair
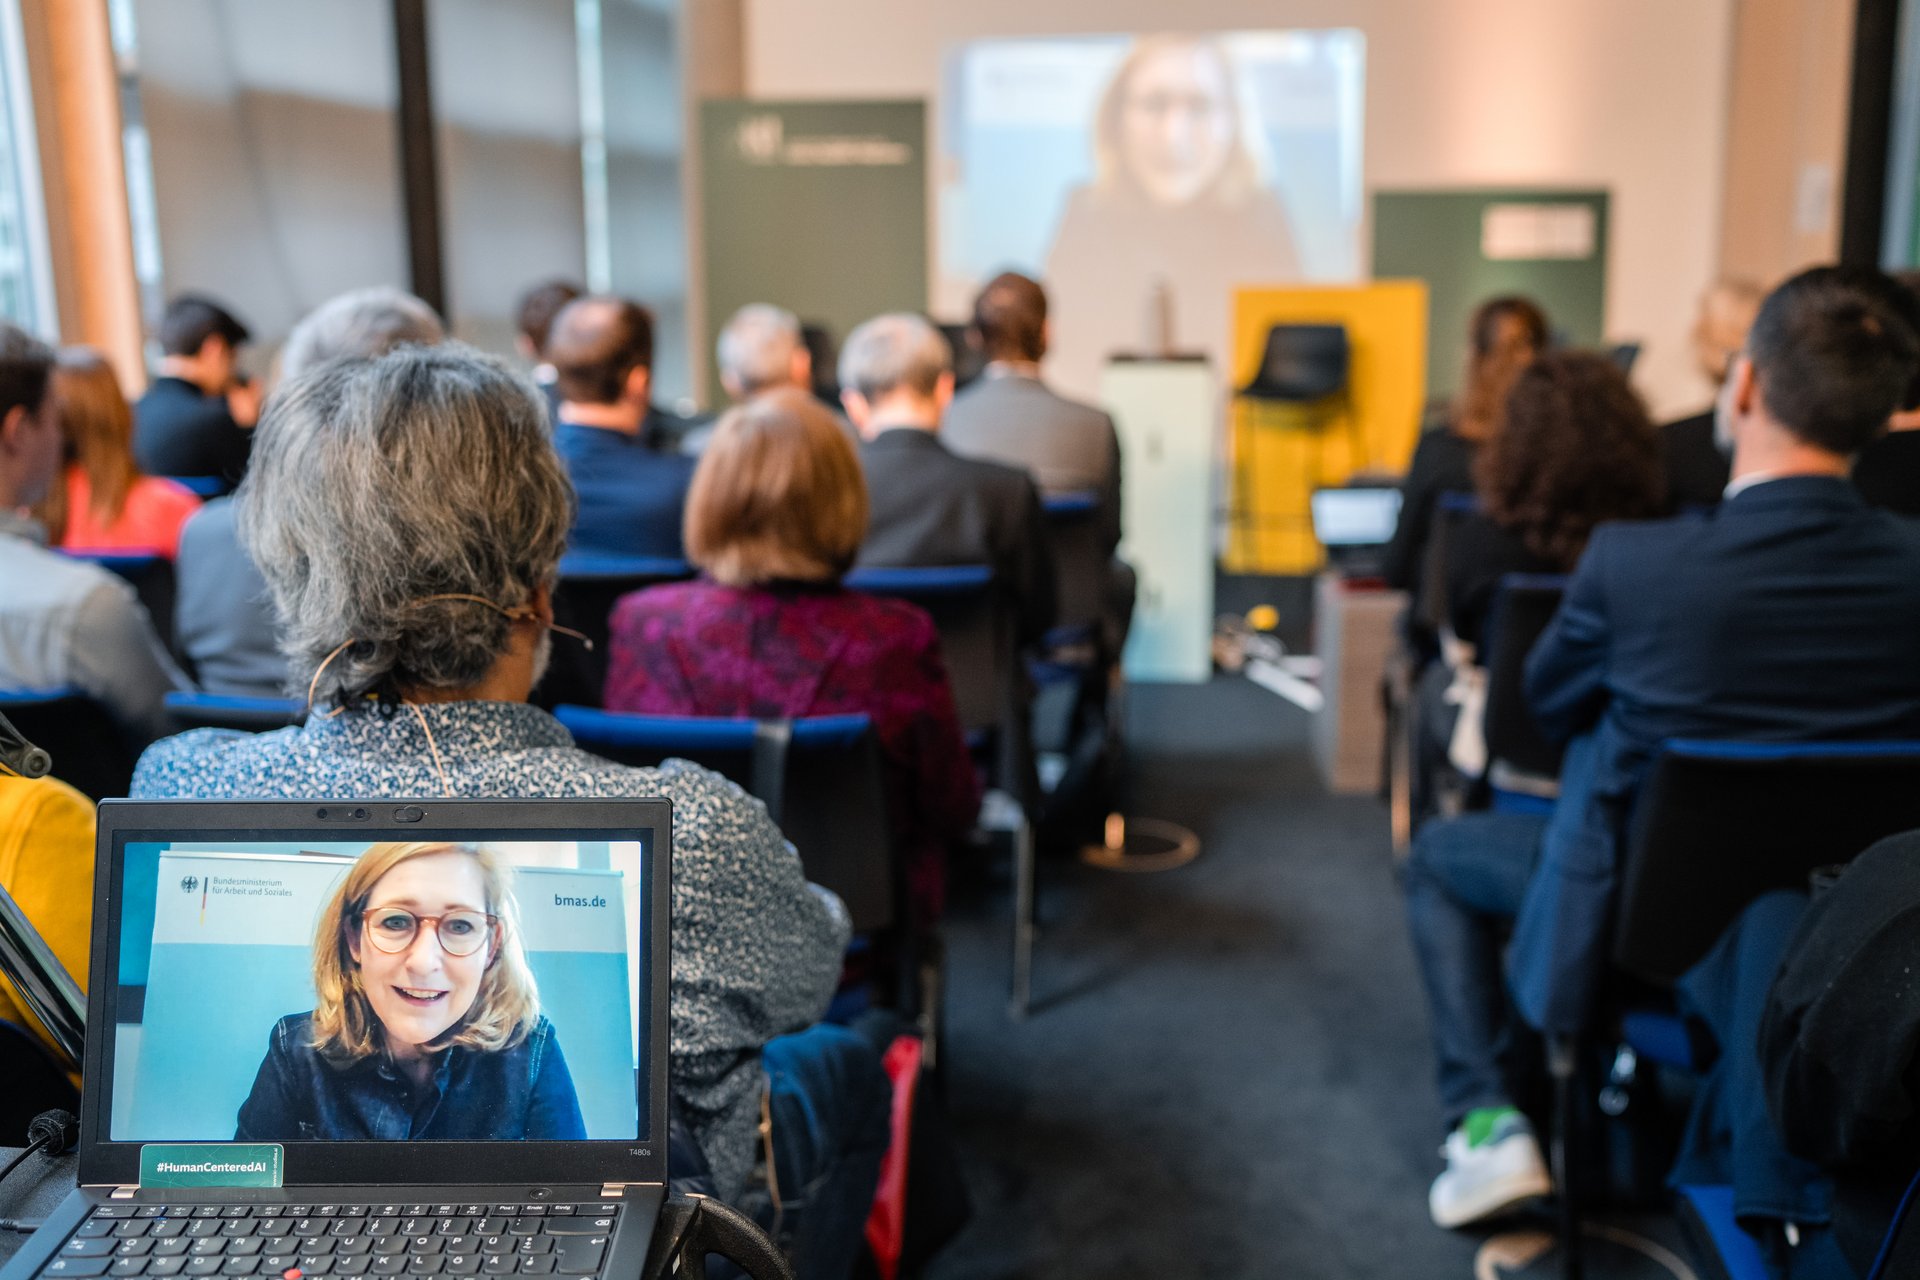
[1576, 448]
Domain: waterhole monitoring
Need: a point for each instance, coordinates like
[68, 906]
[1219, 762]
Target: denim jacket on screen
[520, 1093]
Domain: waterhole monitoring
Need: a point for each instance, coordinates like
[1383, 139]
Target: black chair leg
[1563, 1064]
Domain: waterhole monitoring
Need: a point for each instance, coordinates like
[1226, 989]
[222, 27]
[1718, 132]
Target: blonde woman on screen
[427, 1023]
[1176, 204]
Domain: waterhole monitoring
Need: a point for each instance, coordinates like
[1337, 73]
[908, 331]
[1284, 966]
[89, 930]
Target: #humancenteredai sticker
[196, 1164]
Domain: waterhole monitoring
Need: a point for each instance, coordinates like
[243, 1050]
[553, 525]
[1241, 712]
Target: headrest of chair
[595, 564]
[944, 580]
[699, 733]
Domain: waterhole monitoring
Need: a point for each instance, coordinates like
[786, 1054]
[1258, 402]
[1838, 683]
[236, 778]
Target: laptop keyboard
[338, 1241]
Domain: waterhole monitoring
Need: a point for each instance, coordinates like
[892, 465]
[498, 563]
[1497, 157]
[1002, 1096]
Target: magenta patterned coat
[700, 648]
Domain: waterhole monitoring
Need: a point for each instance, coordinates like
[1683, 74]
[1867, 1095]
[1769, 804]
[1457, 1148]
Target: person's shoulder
[214, 764]
[666, 599]
[884, 622]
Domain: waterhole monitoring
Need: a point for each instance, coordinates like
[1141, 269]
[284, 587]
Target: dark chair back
[1302, 363]
[1082, 564]
[976, 631]
[150, 576]
[1522, 609]
[90, 752]
[976, 628]
[1432, 610]
[583, 600]
[233, 711]
[821, 779]
[1717, 824]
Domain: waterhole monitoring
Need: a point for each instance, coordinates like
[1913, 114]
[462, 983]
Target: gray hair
[893, 351]
[361, 325]
[375, 483]
[757, 347]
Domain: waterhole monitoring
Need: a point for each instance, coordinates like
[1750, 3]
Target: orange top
[155, 510]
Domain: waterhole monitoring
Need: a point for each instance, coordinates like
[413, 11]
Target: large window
[26, 290]
[264, 162]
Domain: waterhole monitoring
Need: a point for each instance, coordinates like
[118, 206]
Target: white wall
[1624, 94]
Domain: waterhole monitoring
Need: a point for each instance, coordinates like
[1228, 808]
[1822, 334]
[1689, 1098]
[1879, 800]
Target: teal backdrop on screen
[209, 1004]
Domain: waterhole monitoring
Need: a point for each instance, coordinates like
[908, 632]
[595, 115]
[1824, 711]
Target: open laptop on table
[1355, 525]
[216, 1140]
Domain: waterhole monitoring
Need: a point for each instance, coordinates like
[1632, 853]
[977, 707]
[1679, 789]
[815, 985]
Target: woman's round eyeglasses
[461, 933]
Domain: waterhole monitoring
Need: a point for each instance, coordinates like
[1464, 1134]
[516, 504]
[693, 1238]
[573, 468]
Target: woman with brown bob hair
[103, 502]
[775, 517]
[426, 1022]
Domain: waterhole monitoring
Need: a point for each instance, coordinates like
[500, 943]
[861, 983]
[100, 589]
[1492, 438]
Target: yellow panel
[1279, 454]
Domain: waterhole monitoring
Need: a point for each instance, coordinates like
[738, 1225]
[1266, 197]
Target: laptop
[1355, 525]
[371, 1038]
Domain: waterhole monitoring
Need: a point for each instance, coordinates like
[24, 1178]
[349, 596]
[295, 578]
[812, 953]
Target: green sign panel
[1550, 245]
[209, 1164]
[818, 207]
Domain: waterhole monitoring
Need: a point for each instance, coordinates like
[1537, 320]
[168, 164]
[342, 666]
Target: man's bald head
[595, 346]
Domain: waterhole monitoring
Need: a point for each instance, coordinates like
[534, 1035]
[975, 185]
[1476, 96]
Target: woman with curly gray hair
[409, 513]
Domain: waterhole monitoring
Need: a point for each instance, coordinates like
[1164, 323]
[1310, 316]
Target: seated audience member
[1838, 1042]
[631, 495]
[775, 518]
[223, 620]
[64, 622]
[1010, 416]
[928, 505]
[1887, 472]
[409, 512]
[46, 864]
[1697, 465]
[103, 503]
[1576, 448]
[533, 322]
[1505, 335]
[1792, 612]
[197, 417]
[762, 348]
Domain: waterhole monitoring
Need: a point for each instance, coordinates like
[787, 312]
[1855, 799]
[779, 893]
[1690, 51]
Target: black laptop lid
[284, 971]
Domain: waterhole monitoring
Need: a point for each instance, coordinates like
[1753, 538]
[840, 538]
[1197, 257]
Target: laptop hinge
[123, 1193]
[612, 1189]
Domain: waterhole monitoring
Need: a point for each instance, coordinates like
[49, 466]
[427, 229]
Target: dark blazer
[1697, 471]
[1066, 446]
[180, 431]
[1442, 463]
[1790, 613]
[1887, 472]
[632, 498]
[932, 507]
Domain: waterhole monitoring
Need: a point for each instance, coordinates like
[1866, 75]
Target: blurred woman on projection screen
[1177, 199]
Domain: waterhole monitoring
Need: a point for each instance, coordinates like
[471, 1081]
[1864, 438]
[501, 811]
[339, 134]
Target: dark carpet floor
[1226, 1071]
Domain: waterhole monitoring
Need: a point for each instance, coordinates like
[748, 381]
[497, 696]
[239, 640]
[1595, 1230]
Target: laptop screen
[1355, 517]
[406, 985]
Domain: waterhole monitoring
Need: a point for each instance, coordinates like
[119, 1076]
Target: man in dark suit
[631, 492]
[197, 418]
[1790, 613]
[1010, 416]
[1697, 467]
[929, 506]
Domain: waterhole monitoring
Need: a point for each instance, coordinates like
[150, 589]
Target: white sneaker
[1486, 1179]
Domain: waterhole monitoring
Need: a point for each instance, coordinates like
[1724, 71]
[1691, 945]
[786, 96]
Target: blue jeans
[1731, 1136]
[831, 1101]
[1465, 880]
